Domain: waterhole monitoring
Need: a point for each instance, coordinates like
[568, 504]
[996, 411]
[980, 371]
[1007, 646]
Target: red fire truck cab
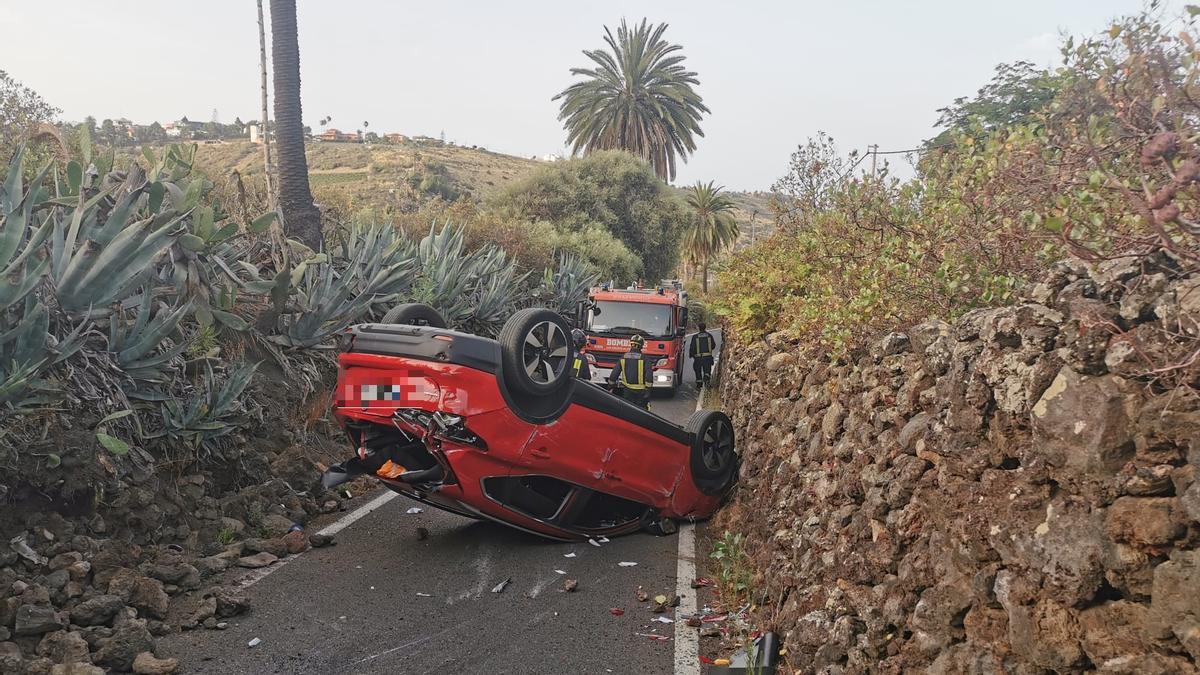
[657, 314]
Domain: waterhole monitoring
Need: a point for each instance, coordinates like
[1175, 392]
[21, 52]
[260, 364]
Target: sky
[484, 72]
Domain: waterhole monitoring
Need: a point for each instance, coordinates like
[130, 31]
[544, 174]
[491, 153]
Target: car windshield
[630, 318]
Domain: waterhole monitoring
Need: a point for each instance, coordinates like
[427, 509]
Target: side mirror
[680, 332]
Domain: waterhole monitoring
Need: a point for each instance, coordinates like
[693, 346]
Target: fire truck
[611, 316]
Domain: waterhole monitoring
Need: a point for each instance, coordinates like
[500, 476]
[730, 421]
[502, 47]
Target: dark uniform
[634, 372]
[580, 367]
[701, 352]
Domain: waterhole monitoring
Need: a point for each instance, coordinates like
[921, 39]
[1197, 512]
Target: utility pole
[266, 135]
[874, 150]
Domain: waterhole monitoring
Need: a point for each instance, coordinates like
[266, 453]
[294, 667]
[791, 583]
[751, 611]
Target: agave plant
[568, 284]
[380, 257]
[138, 345]
[21, 269]
[96, 260]
[475, 289]
[214, 412]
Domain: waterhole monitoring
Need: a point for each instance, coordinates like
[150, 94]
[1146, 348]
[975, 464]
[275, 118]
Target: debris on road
[653, 636]
[660, 599]
[642, 596]
[663, 619]
[701, 582]
[569, 555]
[318, 540]
[627, 564]
[570, 585]
[616, 611]
[423, 595]
[603, 540]
[412, 511]
[593, 542]
[694, 621]
[254, 643]
[422, 533]
[502, 585]
[560, 571]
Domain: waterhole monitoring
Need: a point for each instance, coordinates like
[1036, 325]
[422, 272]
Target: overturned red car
[498, 429]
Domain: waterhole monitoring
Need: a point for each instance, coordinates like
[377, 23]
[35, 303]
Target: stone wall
[1013, 492]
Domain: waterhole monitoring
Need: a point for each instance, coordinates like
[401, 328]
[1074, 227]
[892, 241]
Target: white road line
[333, 528]
[349, 519]
[687, 639]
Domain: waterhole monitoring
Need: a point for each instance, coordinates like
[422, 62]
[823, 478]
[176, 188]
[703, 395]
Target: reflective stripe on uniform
[577, 365]
[641, 374]
[704, 345]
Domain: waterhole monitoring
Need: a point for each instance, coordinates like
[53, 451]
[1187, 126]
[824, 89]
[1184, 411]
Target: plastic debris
[616, 611]
[18, 545]
[712, 618]
[705, 660]
[593, 542]
[412, 511]
[653, 636]
[570, 585]
[701, 582]
[502, 585]
[720, 662]
[424, 595]
[627, 564]
[642, 596]
[660, 599]
[347, 495]
[663, 619]
[569, 555]
[560, 571]
[603, 540]
[254, 643]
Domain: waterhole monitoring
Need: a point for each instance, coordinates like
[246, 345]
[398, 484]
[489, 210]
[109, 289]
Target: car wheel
[714, 458]
[415, 314]
[536, 352]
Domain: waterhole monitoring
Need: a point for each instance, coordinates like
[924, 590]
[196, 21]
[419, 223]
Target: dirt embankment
[1013, 492]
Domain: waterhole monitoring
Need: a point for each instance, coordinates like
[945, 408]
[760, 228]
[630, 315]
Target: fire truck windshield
[630, 318]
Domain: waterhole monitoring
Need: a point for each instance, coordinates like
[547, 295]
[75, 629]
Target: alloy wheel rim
[545, 352]
[718, 446]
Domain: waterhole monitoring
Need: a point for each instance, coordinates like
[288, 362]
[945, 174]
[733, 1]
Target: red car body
[422, 395]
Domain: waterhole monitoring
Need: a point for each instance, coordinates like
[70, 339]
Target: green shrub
[1100, 162]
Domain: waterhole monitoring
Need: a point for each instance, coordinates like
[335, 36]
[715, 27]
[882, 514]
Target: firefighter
[700, 350]
[580, 367]
[632, 375]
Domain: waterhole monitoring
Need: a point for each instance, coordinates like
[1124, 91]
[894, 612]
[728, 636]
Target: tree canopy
[639, 97]
[611, 190]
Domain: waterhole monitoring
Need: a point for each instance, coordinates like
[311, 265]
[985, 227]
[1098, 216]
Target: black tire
[415, 314]
[536, 353]
[714, 460]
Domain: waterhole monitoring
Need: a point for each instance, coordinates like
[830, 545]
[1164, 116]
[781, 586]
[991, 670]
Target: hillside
[364, 175]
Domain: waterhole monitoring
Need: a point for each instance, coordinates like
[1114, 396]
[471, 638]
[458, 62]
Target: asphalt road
[356, 608]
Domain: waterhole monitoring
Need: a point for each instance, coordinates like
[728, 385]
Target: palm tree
[712, 227]
[639, 98]
[301, 219]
